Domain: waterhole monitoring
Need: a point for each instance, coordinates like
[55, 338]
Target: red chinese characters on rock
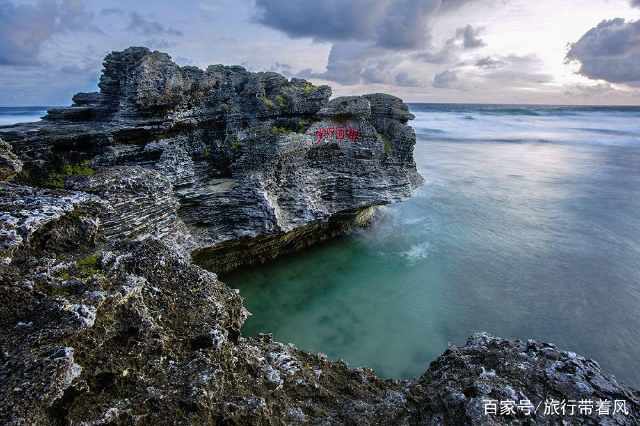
[341, 133]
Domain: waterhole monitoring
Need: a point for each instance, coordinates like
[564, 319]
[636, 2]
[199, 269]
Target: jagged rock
[458, 384]
[240, 158]
[84, 99]
[43, 221]
[390, 107]
[347, 107]
[10, 165]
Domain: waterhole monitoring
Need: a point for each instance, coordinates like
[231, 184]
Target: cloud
[589, 91]
[352, 63]
[392, 24]
[446, 80]
[373, 41]
[635, 3]
[144, 26]
[609, 51]
[404, 24]
[282, 68]
[361, 62]
[404, 79]
[346, 63]
[441, 56]
[465, 38]
[510, 71]
[25, 28]
[469, 37]
[490, 63]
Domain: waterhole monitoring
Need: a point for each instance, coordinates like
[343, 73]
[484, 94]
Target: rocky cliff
[106, 316]
[229, 165]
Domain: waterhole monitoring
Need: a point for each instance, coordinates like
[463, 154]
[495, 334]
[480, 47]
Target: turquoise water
[528, 226]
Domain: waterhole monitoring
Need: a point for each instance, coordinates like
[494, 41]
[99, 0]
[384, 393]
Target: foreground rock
[139, 335]
[104, 317]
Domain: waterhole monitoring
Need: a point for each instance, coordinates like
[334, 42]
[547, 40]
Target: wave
[417, 252]
[611, 132]
[492, 140]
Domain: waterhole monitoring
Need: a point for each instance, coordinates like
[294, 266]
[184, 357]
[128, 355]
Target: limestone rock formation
[106, 319]
[237, 155]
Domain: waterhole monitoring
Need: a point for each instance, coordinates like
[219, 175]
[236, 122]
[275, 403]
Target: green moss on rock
[56, 179]
[309, 88]
[281, 101]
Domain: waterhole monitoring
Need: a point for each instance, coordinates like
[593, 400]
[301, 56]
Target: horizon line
[430, 103]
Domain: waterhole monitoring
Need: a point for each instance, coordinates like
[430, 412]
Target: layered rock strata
[222, 155]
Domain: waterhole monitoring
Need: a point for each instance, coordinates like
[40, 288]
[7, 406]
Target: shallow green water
[527, 227]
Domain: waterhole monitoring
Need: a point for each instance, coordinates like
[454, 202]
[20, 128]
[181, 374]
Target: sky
[471, 51]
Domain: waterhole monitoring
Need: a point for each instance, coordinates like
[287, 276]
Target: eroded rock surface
[10, 165]
[104, 317]
[137, 334]
[237, 155]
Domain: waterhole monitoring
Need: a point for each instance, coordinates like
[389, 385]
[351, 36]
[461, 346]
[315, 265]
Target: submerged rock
[105, 319]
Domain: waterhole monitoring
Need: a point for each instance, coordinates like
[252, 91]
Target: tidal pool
[527, 227]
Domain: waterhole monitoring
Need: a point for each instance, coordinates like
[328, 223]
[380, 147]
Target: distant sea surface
[13, 115]
[528, 226]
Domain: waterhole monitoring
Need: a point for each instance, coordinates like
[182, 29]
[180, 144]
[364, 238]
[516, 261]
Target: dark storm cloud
[635, 3]
[25, 28]
[399, 24]
[142, 25]
[323, 20]
[404, 24]
[610, 52]
[358, 63]
[370, 36]
[346, 63]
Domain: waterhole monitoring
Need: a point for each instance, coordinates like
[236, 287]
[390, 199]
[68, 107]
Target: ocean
[13, 115]
[527, 226]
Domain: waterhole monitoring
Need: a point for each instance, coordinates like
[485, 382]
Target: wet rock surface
[106, 319]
